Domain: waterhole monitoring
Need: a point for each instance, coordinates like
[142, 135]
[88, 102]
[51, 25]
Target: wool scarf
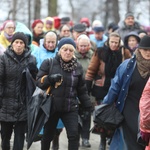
[68, 66]
[143, 65]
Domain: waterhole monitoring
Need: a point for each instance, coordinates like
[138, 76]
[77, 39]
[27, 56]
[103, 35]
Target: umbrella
[38, 113]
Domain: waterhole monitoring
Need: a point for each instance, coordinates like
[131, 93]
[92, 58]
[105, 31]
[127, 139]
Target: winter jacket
[73, 86]
[3, 40]
[117, 94]
[124, 29]
[84, 60]
[145, 109]
[99, 43]
[13, 85]
[41, 53]
[97, 72]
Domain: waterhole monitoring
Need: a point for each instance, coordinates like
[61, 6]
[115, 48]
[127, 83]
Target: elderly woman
[69, 73]
[125, 91]
[37, 27]
[13, 95]
[7, 32]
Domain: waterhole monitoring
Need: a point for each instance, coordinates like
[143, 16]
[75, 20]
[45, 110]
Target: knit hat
[128, 14]
[86, 21]
[66, 40]
[7, 23]
[145, 42]
[36, 22]
[20, 36]
[79, 27]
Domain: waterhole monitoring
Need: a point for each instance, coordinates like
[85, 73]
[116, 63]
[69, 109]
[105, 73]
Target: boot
[102, 145]
[86, 143]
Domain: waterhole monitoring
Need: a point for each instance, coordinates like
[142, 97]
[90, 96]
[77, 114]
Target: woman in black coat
[13, 111]
[71, 90]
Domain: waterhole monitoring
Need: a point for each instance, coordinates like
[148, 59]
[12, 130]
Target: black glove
[85, 114]
[89, 86]
[54, 78]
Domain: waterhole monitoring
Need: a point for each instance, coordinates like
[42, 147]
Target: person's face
[129, 21]
[65, 32]
[114, 43]
[83, 46]
[145, 53]
[9, 29]
[98, 35]
[38, 29]
[50, 42]
[18, 46]
[75, 35]
[49, 26]
[132, 42]
[67, 54]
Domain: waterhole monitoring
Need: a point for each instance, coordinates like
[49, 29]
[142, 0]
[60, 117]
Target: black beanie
[66, 40]
[145, 42]
[20, 36]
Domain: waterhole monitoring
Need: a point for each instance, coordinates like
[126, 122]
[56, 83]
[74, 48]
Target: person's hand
[54, 78]
[88, 85]
[145, 136]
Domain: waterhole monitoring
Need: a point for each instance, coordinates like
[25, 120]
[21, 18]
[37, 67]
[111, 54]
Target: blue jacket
[117, 94]
[99, 43]
[41, 53]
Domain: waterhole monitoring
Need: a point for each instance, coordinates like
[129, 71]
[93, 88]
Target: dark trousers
[85, 129]
[19, 134]
[70, 120]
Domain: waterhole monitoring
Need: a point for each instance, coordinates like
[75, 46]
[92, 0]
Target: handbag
[39, 108]
[107, 118]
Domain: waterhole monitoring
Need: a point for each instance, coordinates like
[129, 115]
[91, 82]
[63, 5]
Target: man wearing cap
[13, 108]
[99, 38]
[79, 29]
[129, 24]
[7, 33]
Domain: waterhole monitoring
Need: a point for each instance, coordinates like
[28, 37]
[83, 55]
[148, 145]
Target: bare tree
[29, 13]
[14, 10]
[37, 9]
[52, 8]
[115, 8]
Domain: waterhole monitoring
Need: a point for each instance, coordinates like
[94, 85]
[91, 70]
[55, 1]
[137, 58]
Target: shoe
[86, 143]
[102, 145]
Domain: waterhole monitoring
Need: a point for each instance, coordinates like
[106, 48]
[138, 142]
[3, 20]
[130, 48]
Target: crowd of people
[92, 64]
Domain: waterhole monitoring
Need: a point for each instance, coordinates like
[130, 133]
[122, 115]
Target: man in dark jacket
[13, 111]
[129, 24]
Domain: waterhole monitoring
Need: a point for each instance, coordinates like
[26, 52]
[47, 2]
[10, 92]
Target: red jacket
[145, 110]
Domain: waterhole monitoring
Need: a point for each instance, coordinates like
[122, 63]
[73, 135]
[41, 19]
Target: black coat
[73, 87]
[13, 85]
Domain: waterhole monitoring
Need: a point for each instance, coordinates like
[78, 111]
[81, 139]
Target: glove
[88, 85]
[54, 78]
[145, 136]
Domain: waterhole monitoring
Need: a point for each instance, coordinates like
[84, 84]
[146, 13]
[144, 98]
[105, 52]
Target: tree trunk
[37, 9]
[29, 13]
[52, 8]
[14, 10]
[116, 11]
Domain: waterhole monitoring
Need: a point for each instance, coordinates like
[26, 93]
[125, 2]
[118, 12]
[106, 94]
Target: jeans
[70, 121]
[19, 134]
